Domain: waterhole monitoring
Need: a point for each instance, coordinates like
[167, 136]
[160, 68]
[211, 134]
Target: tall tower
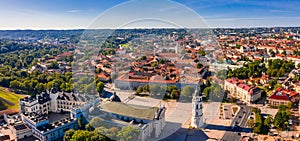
[197, 115]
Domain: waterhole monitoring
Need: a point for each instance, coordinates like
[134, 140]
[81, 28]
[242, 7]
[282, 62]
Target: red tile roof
[239, 83]
[283, 94]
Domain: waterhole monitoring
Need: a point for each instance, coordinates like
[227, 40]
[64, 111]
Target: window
[200, 99]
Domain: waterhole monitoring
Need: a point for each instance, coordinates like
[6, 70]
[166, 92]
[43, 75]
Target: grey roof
[129, 110]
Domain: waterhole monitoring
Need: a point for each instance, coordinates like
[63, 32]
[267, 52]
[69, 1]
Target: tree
[100, 87]
[68, 135]
[40, 87]
[81, 135]
[154, 64]
[175, 94]
[257, 128]
[272, 53]
[98, 70]
[89, 127]
[199, 65]
[272, 83]
[256, 110]
[202, 53]
[139, 90]
[187, 92]
[143, 57]
[90, 88]
[112, 132]
[283, 115]
[289, 105]
[84, 135]
[53, 65]
[15, 84]
[298, 65]
[80, 123]
[128, 133]
[284, 52]
[250, 123]
[207, 91]
[146, 88]
[155, 89]
[171, 88]
[217, 92]
[268, 121]
[96, 122]
[222, 74]
[98, 137]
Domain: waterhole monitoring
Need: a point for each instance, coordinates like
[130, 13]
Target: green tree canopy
[187, 91]
[128, 133]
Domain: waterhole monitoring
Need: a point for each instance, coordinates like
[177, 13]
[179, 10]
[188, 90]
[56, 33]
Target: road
[240, 120]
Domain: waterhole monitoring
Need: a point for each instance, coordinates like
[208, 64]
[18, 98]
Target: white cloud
[74, 11]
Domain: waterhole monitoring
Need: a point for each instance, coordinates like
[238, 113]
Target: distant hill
[8, 99]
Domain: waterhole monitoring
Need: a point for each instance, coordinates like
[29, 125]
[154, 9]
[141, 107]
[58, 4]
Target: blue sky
[73, 14]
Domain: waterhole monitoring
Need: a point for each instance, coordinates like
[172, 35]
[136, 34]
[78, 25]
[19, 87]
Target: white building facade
[197, 114]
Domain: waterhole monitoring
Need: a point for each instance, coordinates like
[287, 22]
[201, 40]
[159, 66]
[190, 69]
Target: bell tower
[197, 115]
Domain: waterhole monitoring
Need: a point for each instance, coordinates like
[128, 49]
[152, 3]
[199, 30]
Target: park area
[8, 99]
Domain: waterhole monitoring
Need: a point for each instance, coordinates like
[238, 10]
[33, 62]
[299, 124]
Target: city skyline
[32, 14]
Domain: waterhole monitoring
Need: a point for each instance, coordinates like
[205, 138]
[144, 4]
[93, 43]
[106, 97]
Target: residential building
[241, 90]
[282, 97]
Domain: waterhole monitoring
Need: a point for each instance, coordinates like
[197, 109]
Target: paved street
[240, 120]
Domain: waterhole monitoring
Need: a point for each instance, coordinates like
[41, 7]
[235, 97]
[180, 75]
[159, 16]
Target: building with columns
[197, 114]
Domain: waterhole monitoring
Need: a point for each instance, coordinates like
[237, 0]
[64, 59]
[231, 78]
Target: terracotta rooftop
[283, 94]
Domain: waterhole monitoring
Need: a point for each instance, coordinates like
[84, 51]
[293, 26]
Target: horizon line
[24, 29]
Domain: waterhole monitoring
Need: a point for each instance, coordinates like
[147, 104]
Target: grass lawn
[10, 98]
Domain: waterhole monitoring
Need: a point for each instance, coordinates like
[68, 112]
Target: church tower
[197, 115]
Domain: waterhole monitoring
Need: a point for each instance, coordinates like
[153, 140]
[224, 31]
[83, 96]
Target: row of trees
[97, 129]
[262, 125]
[277, 67]
[36, 82]
[249, 69]
[167, 92]
[214, 92]
[84, 135]
[282, 116]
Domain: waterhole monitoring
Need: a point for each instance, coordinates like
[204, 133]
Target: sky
[82, 14]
